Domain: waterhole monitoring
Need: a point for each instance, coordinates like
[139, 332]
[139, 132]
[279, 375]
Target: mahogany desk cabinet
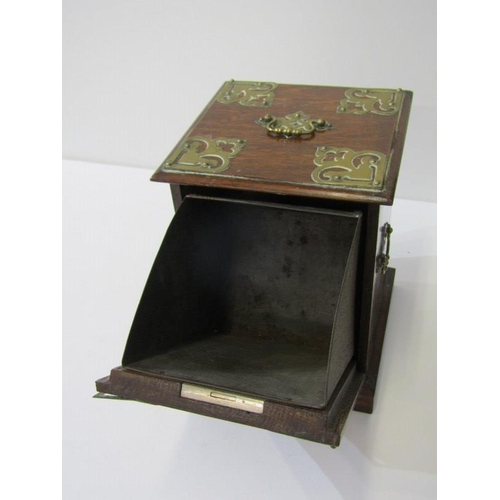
[268, 300]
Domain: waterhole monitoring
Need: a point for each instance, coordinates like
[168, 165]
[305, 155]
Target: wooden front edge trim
[318, 425]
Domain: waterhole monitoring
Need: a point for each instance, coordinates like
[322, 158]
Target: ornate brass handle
[293, 125]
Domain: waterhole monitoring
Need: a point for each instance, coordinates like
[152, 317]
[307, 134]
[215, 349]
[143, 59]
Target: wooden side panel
[176, 191]
[367, 263]
[381, 304]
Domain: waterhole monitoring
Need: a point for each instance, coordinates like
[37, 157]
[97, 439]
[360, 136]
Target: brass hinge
[104, 395]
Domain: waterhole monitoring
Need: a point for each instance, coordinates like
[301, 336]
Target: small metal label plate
[222, 398]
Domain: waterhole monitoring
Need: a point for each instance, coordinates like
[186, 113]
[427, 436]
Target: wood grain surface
[275, 164]
[322, 426]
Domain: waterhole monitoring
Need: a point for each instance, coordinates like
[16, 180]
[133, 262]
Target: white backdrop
[137, 73]
[114, 221]
[135, 76]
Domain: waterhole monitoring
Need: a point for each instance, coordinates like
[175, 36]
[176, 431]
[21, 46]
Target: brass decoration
[345, 167]
[204, 155]
[256, 94]
[376, 101]
[293, 125]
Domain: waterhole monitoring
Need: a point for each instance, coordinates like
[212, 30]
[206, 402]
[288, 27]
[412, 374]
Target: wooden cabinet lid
[325, 142]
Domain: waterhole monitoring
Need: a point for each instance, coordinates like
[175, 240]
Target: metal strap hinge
[384, 257]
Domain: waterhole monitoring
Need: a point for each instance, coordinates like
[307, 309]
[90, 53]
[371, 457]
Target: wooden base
[382, 301]
[322, 426]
